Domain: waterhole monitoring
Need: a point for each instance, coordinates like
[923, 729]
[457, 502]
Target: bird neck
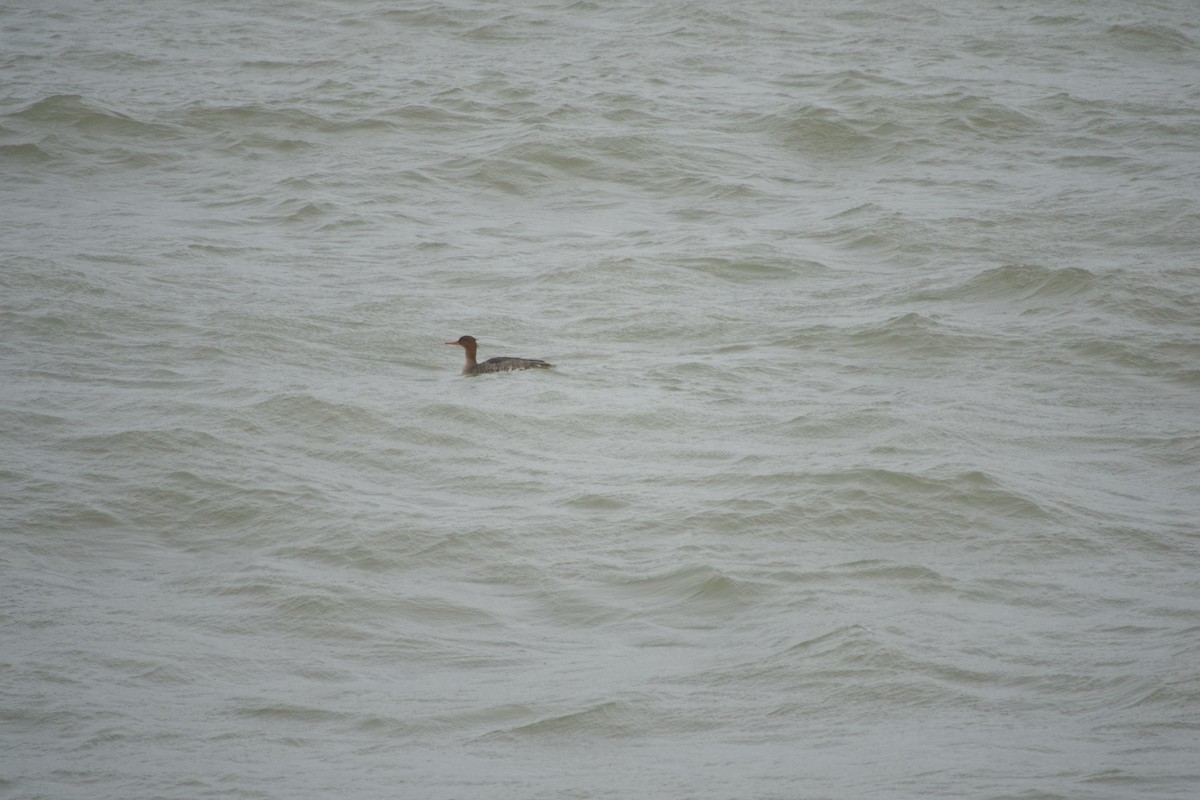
[470, 348]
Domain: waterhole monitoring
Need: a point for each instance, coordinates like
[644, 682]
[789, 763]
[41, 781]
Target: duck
[497, 364]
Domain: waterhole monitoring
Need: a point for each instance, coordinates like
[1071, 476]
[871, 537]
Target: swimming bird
[497, 364]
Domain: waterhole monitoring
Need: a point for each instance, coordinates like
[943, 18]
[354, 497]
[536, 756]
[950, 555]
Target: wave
[823, 132]
[324, 419]
[1016, 282]
[607, 718]
[27, 153]
[1149, 38]
[280, 123]
[94, 136]
[849, 670]
[872, 503]
[914, 334]
[177, 441]
[752, 263]
[701, 589]
[71, 110]
[955, 493]
[980, 117]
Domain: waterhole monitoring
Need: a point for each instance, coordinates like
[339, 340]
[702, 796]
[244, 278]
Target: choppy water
[868, 468]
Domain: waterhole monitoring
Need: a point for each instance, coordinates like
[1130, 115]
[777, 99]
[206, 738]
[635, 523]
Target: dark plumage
[497, 364]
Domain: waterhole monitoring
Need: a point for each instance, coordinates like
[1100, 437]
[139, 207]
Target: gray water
[868, 467]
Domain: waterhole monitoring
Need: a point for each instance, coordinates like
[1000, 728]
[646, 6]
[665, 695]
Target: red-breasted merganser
[497, 364]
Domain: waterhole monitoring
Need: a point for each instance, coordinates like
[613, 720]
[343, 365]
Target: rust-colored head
[464, 341]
